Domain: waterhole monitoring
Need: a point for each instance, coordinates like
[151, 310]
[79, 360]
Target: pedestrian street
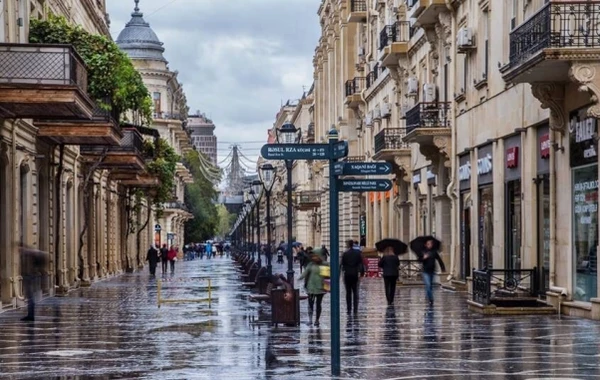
[116, 330]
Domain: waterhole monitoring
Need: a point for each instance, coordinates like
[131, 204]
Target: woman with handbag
[316, 286]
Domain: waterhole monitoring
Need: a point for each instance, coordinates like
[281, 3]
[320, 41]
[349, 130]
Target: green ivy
[162, 165]
[111, 73]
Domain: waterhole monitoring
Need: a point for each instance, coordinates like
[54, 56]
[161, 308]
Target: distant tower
[203, 136]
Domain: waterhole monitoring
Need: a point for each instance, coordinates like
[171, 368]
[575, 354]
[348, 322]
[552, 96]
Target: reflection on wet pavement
[116, 330]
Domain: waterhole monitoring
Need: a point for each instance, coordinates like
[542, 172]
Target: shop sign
[545, 146]
[583, 142]
[512, 157]
[371, 265]
[430, 177]
[484, 165]
[416, 179]
[464, 172]
[363, 226]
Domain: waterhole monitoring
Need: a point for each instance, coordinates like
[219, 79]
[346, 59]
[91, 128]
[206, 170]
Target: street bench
[261, 272]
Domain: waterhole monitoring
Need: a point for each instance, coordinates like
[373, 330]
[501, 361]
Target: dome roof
[138, 39]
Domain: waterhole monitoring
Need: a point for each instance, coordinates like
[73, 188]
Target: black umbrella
[398, 246]
[418, 244]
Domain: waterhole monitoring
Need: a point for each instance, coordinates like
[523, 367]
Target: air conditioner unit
[412, 85]
[429, 92]
[386, 110]
[369, 119]
[465, 39]
[377, 113]
[361, 51]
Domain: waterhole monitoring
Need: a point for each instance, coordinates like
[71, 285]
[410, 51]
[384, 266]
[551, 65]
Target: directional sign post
[362, 185]
[296, 151]
[363, 168]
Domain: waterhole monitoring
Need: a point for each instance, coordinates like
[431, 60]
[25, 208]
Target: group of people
[208, 248]
[163, 255]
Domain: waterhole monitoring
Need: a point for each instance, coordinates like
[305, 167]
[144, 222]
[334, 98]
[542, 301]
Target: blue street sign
[340, 149]
[365, 168]
[157, 227]
[295, 151]
[360, 185]
[338, 168]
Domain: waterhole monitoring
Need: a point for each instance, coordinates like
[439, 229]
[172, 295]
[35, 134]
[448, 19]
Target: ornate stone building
[143, 46]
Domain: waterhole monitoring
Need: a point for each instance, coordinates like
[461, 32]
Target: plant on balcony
[162, 165]
[111, 74]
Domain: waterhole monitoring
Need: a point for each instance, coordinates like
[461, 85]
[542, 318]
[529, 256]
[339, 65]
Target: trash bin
[284, 311]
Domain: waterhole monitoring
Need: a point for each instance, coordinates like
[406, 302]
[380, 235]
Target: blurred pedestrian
[352, 266]
[315, 285]
[325, 253]
[208, 249]
[152, 258]
[33, 265]
[428, 257]
[164, 253]
[172, 257]
[389, 263]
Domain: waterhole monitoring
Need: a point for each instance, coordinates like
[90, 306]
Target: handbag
[325, 272]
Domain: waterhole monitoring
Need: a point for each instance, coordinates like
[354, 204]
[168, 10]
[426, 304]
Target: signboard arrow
[360, 185]
[366, 168]
[295, 151]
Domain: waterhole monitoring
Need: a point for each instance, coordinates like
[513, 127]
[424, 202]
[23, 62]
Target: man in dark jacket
[352, 266]
[389, 264]
[429, 257]
[152, 258]
[164, 252]
[33, 265]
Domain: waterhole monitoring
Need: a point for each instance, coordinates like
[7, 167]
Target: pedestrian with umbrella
[427, 249]
[390, 263]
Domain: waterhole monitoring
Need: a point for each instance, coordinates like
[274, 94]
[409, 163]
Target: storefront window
[513, 224]
[585, 231]
[465, 234]
[544, 231]
[486, 226]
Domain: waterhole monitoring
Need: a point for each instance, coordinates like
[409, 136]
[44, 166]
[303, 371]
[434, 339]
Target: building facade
[203, 135]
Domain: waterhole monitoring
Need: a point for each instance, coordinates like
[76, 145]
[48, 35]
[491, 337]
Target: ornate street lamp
[255, 192]
[250, 214]
[289, 134]
[267, 176]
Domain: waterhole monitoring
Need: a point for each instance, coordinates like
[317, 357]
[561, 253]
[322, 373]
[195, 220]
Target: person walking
[352, 266]
[389, 263]
[172, 257]
[164, 253]
[315, 285]
[428, 257]
[33, 265]
[152, 258]
[208, 249]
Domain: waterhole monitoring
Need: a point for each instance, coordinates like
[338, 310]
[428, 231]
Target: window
[486, 37]
[513, 18]
[156, 98]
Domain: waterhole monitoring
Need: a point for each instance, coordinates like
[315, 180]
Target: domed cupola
[138, 39]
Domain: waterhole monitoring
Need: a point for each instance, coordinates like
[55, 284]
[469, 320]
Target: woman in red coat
[172, 256]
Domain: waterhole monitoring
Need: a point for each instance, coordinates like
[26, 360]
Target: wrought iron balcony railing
[428, 115]
[373, 75]
[358, 6]
[37, 64]
[176, 205]
[103, 114]
[401, 31]
[168, 116]
[558, 24]
[509, 282]
[355, 86]
[390, 139]
[132, 142]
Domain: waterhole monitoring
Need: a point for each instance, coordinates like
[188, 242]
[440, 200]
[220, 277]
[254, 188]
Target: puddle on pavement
[193, 329]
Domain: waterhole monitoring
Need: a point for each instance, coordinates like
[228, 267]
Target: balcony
[176, 206]
[542, 47]
[358, 11]
[426, 11]
[308, 200]
[393, 42]
[125, 157]
[43, 82]
[140, 180]
[103, 129]
[428, 124]
[389, 143]
[354, 89]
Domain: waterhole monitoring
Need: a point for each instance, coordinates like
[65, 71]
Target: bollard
[158, 286]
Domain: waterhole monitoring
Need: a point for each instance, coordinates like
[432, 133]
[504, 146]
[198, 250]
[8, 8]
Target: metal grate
[41, 64]
[355, 86]
[559, 24]
[428, 115]
[390, 139]
[358, 6]
[398, 32]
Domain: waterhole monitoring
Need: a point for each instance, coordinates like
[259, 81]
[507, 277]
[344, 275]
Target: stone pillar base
[86, 283]
[595, 308]
[62, 291]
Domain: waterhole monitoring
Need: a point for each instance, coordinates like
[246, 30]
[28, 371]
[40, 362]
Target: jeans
[390, 288]
[172, 266]
[428, 281]
[164, 265]
[311, 302]
[351, 284]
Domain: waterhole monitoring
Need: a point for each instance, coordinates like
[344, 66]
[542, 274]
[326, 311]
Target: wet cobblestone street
[115, 330]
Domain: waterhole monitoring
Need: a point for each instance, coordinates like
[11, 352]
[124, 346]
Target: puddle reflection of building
[391, 333]
[429, 330]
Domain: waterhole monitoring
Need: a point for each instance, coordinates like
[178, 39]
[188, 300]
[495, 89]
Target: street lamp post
[255, 192]
[250, 225]
[268, 179]
[289, 134]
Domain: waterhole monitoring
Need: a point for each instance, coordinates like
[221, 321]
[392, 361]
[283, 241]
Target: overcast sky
[238, 59]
